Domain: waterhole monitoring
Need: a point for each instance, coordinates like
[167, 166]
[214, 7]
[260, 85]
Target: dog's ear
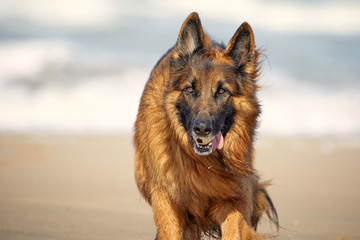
[241, 48]
[191, 36]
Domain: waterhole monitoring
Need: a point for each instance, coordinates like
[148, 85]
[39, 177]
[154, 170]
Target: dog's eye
[221, 91]
[190, 89]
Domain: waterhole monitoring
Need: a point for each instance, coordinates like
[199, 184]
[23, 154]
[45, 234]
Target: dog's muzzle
[204, 145]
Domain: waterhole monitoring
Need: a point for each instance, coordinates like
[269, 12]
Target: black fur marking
[228, 122]
[273, 216]
[184, 112]
[176, 83]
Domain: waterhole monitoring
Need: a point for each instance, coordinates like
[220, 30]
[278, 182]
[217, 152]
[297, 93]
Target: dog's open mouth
[204, 146]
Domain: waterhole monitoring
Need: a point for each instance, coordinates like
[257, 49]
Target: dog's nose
[202, 127]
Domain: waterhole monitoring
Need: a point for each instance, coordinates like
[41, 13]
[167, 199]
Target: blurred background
[80, 66]
[71, 76]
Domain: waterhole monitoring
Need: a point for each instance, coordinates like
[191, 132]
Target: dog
[194, 135]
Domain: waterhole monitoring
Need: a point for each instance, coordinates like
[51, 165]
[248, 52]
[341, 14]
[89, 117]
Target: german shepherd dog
[194, 137]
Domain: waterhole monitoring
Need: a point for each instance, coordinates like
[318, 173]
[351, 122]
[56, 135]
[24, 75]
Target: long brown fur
[191, 195]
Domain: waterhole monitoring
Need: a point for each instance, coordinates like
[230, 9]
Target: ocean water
[80, 67]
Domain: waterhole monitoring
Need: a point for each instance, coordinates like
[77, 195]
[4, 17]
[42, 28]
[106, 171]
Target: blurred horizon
[80, 66]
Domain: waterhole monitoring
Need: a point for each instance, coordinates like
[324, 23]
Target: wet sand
[82, 187]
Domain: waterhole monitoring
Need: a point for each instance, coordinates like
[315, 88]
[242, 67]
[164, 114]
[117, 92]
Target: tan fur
[192, 194]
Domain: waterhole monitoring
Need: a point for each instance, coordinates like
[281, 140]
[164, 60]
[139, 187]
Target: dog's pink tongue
[218, 142]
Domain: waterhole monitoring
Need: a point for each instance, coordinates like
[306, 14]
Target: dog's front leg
[234, 226]
[168, 220]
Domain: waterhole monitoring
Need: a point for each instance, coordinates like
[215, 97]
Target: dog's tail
[263, 204]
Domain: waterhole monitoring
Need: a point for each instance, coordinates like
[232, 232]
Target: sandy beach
[82, 187]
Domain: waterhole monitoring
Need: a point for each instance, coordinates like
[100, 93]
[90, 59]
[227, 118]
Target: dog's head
[212, 88]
